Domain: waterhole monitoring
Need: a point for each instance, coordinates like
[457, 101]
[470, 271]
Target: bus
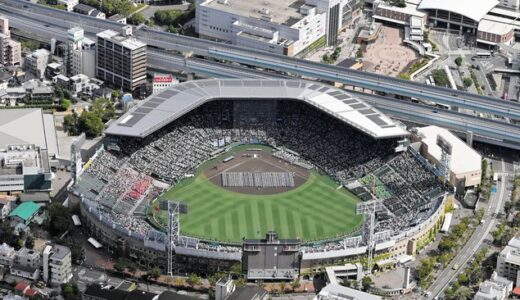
[485, 54]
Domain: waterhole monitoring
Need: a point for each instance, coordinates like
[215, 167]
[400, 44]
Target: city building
[285, 27]
[338, 292]
[10, 50]
[27, 264]
[7, 255]
[496, 288]
[161, 82]
[386, 13]
[57, 264]
[24, 168]
[493, 33]
[118, 18]
[25, 212]
[121, 59]
[488, 21]
[89, 11]
[69, 4]
[465, 164]
[36, 62]
[508, 261]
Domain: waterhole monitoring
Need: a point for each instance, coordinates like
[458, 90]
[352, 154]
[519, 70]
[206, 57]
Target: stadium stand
[117, 182]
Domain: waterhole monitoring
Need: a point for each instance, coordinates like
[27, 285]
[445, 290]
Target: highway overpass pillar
[469, 138]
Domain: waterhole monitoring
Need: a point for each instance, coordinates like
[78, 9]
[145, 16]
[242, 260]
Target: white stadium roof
[163, 108]
[464, 159]
[473, 9]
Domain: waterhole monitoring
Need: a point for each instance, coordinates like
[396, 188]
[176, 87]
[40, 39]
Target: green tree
[104, 108]
[121, 264]
[91, 124]
[29, 242]
[405, 76]
[440, 77]
[295, 284]
[366, 283]
[458, 61]
[59, 219]
[137, 19]
[155, 273]
[508, 206]
[194, 280]
[70, 124]
[467, 82]
[240, 282]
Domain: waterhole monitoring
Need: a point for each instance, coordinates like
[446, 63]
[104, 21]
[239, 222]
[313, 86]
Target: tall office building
[121, 59]
[10, 50]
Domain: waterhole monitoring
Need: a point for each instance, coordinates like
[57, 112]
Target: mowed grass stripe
[312, 211]
[247, 218]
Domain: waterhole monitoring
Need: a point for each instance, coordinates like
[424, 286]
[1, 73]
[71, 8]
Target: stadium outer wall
[406, 243]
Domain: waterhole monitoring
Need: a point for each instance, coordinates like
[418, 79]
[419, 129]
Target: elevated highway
[42, 16]
[484, 130]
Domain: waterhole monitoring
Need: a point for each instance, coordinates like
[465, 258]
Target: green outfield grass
[313, 211]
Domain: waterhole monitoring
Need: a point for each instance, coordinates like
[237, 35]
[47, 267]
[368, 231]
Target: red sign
[163, 79]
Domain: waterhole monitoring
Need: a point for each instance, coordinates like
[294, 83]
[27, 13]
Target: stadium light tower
[444, 165]
[369, 209]
[175, 209]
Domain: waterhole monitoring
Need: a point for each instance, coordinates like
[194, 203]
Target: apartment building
[27, 264]
[7, 255]
[508, 261]
[57, 264]
[121, 59]
[10, 50]
[36, 62]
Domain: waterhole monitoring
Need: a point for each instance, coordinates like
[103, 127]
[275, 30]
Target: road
[39, 16]
[484, 130]
[476, 240]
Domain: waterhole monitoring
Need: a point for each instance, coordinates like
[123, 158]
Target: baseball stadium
[192, 179]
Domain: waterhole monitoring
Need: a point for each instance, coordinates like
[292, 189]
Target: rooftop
[467, 8]
[25, 211]
[125, 41]
[163, 108]
[14, 124]
[495, 27]
[463, 157]
[60, 252]
[341, 292]
[280, 11]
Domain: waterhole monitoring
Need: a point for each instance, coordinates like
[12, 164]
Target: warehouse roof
[15, 122]
[467, 8]
[163, 108]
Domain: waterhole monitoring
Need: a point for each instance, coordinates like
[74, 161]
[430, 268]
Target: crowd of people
[319, 140]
